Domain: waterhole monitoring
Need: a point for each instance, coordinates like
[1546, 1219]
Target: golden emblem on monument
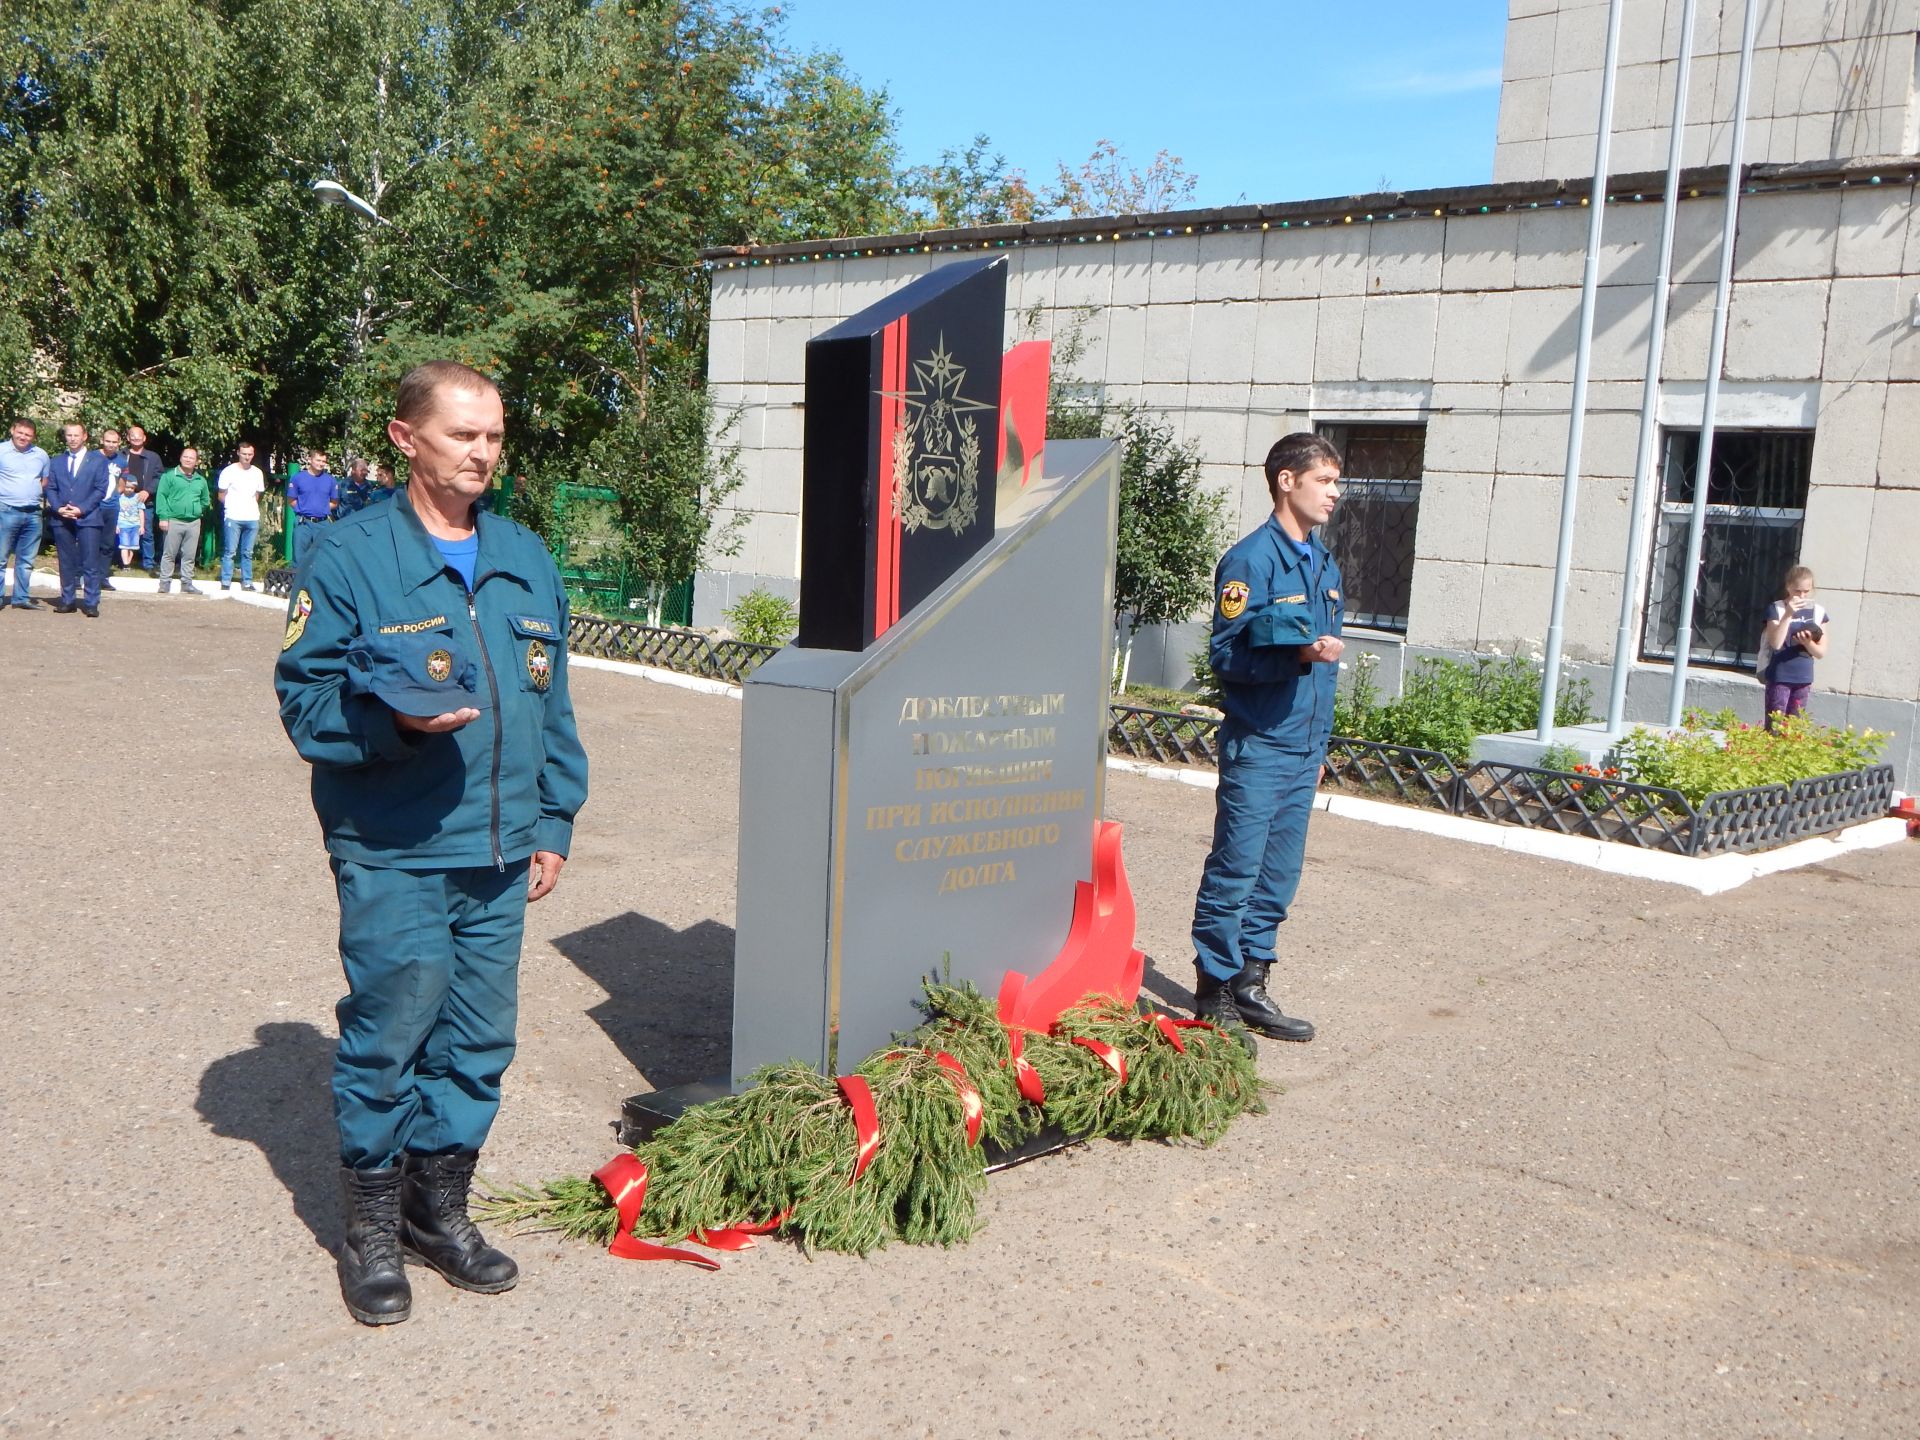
[936, 453]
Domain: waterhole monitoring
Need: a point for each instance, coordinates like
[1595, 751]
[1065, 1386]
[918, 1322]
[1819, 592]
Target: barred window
[1371, 532]
[1756, 501]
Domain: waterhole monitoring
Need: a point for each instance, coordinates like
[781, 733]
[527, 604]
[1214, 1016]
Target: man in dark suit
[76, 484]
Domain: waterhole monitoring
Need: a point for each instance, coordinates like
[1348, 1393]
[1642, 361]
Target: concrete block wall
[1831, 79]
[1467, 324]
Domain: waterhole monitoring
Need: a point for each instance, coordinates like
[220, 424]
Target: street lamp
[332, 192]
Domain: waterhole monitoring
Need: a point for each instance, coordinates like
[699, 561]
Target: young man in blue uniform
[424, 677]
[1276, 648]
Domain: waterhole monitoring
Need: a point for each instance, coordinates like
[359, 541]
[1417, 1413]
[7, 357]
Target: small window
[1756, 501]
[1371, 532]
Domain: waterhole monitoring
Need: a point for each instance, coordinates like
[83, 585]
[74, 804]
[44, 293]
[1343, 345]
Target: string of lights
[1151, 228]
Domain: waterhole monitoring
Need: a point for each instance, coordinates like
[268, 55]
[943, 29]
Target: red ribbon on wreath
[1107, 1056]
[970, 1104]
[866, 1122]
[625, 1180]
[1032, 1090]
[1171, 1028]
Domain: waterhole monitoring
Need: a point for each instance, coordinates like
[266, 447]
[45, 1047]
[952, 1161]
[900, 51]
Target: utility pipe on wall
[1582, 355]
[1716, 356]
[1650, 387]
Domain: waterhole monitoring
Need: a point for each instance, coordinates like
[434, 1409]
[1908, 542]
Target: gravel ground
[1574, 1155]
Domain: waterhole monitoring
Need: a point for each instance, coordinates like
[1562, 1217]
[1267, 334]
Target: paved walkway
[1575, 1155]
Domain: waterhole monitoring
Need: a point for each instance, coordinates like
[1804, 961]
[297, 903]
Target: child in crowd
[1794, 636]
[130, 519]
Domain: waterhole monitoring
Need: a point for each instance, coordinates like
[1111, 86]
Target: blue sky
[1264, 100]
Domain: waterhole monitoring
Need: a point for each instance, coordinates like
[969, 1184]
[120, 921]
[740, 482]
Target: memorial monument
[922, 772]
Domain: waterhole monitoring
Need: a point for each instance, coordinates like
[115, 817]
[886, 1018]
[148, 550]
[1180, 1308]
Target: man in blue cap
[1276, 647]
[424, 676]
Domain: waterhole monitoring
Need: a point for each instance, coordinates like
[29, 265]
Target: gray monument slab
[931, 801]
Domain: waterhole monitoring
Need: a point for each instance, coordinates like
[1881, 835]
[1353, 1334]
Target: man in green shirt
[181, 501]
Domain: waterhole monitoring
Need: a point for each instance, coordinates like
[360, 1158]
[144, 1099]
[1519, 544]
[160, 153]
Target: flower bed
[1588, 803]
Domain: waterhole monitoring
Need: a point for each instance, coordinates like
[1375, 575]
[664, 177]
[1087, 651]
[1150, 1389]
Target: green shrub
[1444, 704]
[761, 617]
[1718, 751]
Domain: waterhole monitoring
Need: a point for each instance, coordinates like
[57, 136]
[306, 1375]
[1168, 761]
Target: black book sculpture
[902, 441]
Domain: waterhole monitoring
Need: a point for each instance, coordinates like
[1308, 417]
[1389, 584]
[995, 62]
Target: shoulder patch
[1233, 599]
[297, 620]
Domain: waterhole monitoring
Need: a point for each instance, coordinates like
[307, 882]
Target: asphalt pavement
[1573, 1155]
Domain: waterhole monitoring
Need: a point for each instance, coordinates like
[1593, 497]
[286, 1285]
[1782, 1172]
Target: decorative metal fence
[1567, 803]
[1392, 772]
[1163, 735]
[1771, 815]
[686, 651]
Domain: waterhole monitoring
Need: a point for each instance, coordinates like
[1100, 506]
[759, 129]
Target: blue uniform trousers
[432, 960]
[1267, 783]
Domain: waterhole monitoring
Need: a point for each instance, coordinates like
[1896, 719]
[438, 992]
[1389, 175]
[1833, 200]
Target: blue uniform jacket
[1269, 689]
[83, 485]
[493, 791]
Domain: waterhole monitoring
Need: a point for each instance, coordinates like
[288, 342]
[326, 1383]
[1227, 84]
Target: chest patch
[539, 665]
[1291, 600]
[297, 620]
[413, 627]
[1233, 598]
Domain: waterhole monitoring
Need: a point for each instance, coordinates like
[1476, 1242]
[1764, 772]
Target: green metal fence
[597, 579]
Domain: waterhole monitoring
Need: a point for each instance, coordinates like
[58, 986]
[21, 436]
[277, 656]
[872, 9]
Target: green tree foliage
[1107, 183]
[1172, 528]
[545, 173]
[967, 187]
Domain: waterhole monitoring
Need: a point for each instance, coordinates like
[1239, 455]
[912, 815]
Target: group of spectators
[120, 501]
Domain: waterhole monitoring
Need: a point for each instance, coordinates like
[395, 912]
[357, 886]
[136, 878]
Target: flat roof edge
[1458, 199]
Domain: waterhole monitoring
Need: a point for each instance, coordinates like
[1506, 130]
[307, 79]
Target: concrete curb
[654, 673]
[1708, 875]
[45, 582]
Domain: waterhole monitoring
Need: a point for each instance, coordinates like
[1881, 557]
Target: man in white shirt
[240, 485]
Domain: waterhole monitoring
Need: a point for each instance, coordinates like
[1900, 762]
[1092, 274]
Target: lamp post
[332, 192]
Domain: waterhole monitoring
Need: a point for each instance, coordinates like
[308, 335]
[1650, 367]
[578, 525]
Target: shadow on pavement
[669, 1005]
[276, 1096]
[1170, 993]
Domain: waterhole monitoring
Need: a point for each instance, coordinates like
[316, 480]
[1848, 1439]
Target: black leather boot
[1256, 1007]
[1213, 1002]
[436, 1230]
[373, 1281]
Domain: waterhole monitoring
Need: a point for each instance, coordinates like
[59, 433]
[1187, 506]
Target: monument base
[643, 1116]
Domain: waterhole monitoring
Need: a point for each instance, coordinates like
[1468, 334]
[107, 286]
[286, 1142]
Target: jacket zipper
[493, 690]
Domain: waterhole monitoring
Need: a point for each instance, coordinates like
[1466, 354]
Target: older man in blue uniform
[424, 677]
[1276, 649]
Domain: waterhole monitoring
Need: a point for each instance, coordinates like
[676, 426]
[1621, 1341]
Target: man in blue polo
[1276, 648]
[23, 474]
[314, 495]
[424, 677]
